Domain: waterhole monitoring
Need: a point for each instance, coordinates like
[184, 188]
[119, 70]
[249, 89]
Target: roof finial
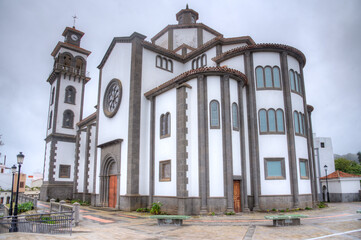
[187, 6]
[75, 17]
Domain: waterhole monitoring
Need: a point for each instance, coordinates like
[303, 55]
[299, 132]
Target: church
[194, 120]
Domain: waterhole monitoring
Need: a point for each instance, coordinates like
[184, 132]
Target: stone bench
[176, 220]
[286, 220]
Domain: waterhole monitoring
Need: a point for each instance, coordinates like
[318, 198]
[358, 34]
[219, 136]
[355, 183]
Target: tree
[347, 166]
[359, 157]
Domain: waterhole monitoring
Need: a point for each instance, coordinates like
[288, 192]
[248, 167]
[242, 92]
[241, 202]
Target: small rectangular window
[165, 171]
[64, 171]
[304, 168]
[274, 168]
[322, 145]
[21, 185]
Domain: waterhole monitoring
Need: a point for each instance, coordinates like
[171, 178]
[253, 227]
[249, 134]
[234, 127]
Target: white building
[200, 122]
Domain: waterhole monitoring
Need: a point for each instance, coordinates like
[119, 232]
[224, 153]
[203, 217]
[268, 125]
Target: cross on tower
[75, 17]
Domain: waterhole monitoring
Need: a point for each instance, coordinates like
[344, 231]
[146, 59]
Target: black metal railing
[49, 223]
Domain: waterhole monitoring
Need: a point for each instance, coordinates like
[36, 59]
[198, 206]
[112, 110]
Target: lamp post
[13, 170]
[14, 227]
[328, 194]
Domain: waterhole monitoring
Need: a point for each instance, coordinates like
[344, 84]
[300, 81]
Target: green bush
[321, 205]
[307, 208]
[156, 208]
[25, 207]
[142, 210]
[230, 213]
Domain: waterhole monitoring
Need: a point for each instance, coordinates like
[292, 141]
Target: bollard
[76, 208]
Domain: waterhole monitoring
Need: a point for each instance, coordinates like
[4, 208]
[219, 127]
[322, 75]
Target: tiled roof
[191, 74]
[88, 119]
[262, 47]
[340, 174]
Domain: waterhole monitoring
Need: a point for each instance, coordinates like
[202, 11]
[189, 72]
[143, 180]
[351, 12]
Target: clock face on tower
[112, 98]
[74, 37]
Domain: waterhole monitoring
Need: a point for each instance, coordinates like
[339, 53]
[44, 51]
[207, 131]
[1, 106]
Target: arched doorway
[112, 189]
[109, 182]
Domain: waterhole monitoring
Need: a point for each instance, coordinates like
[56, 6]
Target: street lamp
[13, 170]
[14, 227]
[328, 194]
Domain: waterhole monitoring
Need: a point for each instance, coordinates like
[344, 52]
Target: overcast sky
[327, 32]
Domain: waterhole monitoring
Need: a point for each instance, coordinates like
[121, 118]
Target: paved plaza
[338, 221]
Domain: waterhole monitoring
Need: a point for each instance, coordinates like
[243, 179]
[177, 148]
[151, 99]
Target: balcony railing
[70, 70]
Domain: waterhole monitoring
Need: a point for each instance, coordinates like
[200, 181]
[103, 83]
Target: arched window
[165, 121]
[268, 76]
[170, 65]
[259, 77]
[67, 60]
[280, 123]
[164, 63]
[276, 77]
[297, 87]
[235, 116]
[263, 121]
[68, 119]
[79, 66]
[52, 96]
[271, 120]
[70, 94]
[214, 114]
[158, 61]
[292, 80]
[204, 60]
[194, 64]
[50, 119]
[296, 122]
[301, 123]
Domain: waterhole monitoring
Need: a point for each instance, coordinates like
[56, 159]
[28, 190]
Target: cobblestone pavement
[338, 221]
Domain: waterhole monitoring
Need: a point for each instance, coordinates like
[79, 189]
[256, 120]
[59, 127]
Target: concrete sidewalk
[338, 221]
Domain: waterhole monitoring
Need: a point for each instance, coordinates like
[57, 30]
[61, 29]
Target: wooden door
[112, 197]
[237, 195]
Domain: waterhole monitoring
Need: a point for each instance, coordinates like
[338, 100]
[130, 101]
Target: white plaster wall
[293, 64]
[153, 76]
[266, 58]
[211, 53]
[246, 143]
[192, 137]
[51, 109]
[82, 156]
[334, 185]
[269, 99]
[350, 185]
[207, 36]
[162, 40]
[46, 161]
[325, 155]
[62, 106]
[185, 35]
[236, 142]
[166, 148]
[117, 66]
[91, 159]
[304, 185]
[216, 177]
[274, 146]
[65, 155]
[235, 63]
[144, 146]
[226, 48]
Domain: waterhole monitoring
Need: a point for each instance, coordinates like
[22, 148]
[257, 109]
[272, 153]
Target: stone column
[151, 151]
[182, 154]
[227, 141]
[252, 130]
[203, 141]
[289, 129]
[245, 207]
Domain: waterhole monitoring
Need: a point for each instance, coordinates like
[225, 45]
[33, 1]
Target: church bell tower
[67, 82]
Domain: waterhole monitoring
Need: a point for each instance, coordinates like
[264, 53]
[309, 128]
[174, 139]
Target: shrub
[156, 208]
[142, 210]
[274, 210]
[321, 205]
[230, 213]
[307, 208]
[25, 207]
